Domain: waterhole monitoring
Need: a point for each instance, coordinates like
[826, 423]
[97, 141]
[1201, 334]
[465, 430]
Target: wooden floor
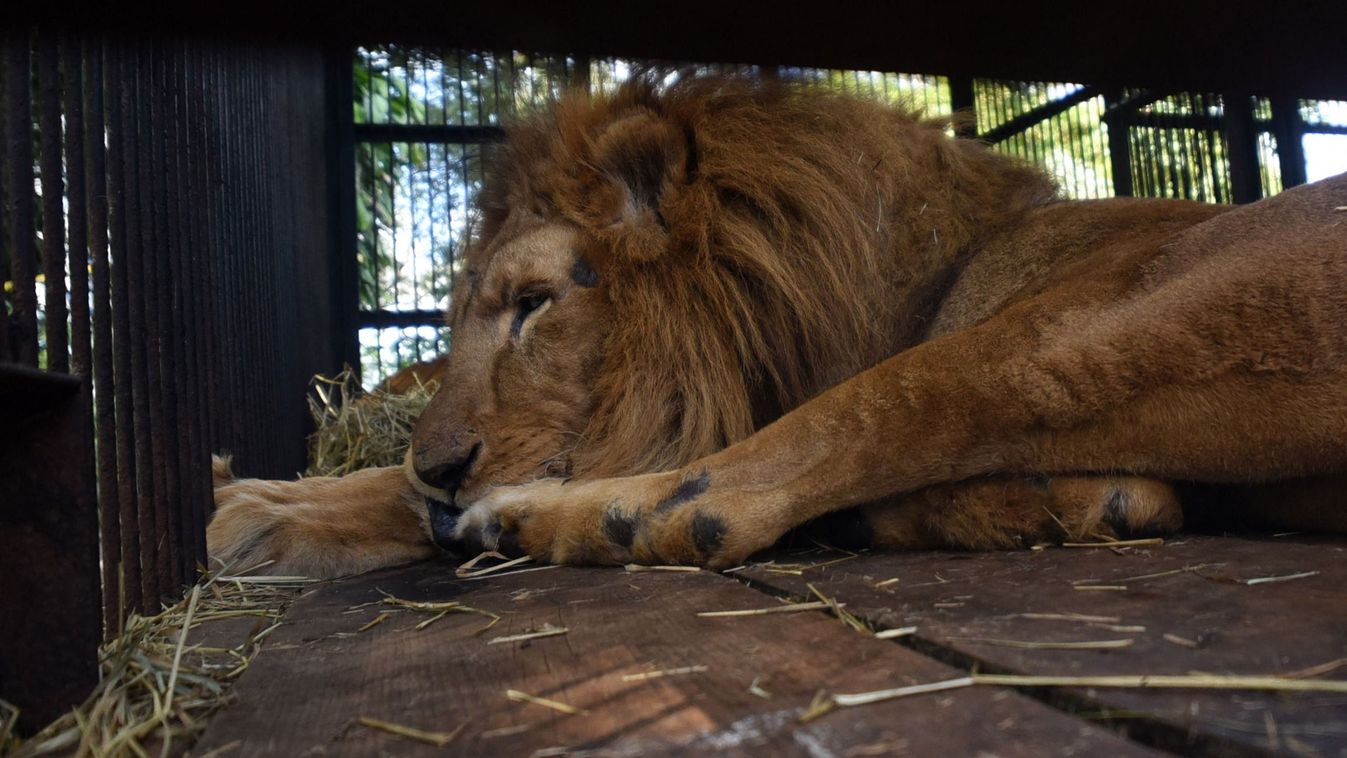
[1185, 606]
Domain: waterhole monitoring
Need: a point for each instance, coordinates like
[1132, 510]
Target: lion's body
[733, 309]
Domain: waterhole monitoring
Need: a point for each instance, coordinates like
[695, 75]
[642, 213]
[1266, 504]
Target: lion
[697, 317]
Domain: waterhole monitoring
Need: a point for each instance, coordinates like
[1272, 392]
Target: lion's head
[662, 271]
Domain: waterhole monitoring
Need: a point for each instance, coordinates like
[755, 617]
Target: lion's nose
[445, 468]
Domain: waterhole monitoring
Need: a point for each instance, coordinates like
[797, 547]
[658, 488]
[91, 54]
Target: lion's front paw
[657, 518]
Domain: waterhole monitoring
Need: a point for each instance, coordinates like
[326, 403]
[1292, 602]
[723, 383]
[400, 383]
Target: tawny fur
[924, 318]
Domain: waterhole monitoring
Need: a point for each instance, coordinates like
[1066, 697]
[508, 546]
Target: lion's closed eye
[526, 306]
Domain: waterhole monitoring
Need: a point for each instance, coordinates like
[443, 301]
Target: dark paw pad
[708, 533]
[509, 546]
[619, 527]
[687, 491]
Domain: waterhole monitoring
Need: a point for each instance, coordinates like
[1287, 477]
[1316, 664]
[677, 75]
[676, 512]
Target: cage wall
[164, 217]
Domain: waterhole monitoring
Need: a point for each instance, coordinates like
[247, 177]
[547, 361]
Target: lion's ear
[644, 156]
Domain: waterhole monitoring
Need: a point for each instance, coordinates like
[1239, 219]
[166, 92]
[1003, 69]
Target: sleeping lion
[696, 317]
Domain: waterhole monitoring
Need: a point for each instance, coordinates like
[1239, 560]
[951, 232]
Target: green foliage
[381, 96]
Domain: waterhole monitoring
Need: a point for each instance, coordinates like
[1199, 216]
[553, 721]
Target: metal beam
[431, 133]
[385, 319]
[1184, 46]
[1125, 107]
[1041, 113]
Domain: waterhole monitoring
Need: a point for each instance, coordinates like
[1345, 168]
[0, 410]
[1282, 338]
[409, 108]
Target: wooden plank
[318, 674]
[1195, 612]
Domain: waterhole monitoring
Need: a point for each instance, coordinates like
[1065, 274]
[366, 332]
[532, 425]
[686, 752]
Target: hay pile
[357, 431]
[157, 687]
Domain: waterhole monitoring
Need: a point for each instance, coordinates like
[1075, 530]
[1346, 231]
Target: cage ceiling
[1294, 47]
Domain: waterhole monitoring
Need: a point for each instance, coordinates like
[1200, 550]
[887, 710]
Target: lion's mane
[758, 243]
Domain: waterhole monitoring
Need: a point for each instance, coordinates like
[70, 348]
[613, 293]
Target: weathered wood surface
[1203, 617]
[318, 674]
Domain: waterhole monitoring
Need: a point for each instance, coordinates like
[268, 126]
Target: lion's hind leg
[1000, 512]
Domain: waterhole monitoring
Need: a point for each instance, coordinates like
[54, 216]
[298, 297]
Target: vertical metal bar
[208, 251]
[1140, 130]
[248, 264]
[258, 431]
[209, 172]
[19, 197]
[152, 295]
[105, 425]
[225, 184]
[136, 169]
[1222, 170]
[1288, 128]
[1183, 165]
[271, 72]
[80, 327]
[194, 256]
[194, 461]
[179, 336]
[234, 320]
[1120, 146]
[196, 283]
[72, 95]
[1150, 155]
[961, 100]
[341, 201]
[271, 261]
[120, 349]
[53, 213]
[166, 419]
[175, 391]
[1168, 176]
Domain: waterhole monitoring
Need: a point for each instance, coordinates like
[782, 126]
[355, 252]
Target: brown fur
[921, 314]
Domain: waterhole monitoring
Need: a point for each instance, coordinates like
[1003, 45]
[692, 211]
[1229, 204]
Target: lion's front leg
[319, 527]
